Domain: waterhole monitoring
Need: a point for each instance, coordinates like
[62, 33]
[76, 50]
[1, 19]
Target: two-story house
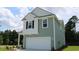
[42, 31]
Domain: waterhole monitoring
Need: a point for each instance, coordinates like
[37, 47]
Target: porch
[20, 40]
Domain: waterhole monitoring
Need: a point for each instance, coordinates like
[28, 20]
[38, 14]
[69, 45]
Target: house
[42, 31]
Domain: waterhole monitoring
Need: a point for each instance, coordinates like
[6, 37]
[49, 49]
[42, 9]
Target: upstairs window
[45, 23]
[33, 24]
[29, 24]
[26, 24]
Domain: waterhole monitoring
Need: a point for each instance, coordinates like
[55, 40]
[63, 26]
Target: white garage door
[38, 43]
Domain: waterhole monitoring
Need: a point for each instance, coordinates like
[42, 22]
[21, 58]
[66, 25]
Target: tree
[9, 37]
[70, 29]
[13, 37]
[6, 37]
[1, 40]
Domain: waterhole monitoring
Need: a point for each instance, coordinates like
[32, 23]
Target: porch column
[18, 40]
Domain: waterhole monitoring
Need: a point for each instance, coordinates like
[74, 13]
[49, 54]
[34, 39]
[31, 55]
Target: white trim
[42, 22]
[54, 32]
[18, 40]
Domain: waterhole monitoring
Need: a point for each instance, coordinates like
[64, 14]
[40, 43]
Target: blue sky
[5, 26]
[10, 17]
[14, 10]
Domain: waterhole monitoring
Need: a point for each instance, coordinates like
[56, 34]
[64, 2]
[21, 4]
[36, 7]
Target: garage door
[38, 43]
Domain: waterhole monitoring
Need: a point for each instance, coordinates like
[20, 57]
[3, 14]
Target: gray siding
[59, 35]
[45, 31]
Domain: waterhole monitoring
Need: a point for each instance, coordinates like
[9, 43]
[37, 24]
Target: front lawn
[71, 48]
[3, 49]
[6, 47]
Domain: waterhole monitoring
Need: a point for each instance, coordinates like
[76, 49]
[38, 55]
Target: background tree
[10, 37]
[6, 37]
[70, 31]
[1, 40]
[13, 36]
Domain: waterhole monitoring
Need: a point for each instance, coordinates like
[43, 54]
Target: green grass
[3, 47]
[71, 48]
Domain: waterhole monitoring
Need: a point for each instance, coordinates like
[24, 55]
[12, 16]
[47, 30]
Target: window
[29, 24]
[26, 24]
[33, 24]
[45, 23]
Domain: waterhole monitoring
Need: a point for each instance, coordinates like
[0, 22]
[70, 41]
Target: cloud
[7, 17]
[13, 21]
[64, 13]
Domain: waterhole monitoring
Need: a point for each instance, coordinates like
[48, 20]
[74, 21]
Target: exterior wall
[44, 32]
[59, 35]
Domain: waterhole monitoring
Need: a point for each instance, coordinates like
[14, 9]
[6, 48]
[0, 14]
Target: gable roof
[38, 12]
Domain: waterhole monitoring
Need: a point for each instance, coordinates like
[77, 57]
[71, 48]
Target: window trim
[42, 23]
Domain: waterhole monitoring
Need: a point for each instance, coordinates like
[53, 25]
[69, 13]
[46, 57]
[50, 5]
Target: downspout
[54, 32]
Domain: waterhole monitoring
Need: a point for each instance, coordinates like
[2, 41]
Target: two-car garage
[38, 43]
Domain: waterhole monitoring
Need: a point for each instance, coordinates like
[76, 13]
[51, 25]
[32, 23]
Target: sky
[11, 17]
